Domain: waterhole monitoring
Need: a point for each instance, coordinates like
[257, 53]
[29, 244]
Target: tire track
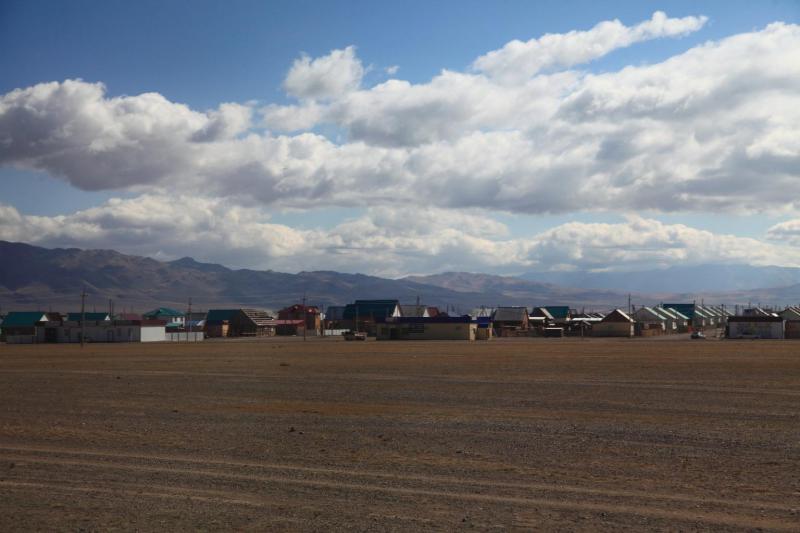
[443, 487]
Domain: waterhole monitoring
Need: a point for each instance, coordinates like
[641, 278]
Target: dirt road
[328, 435]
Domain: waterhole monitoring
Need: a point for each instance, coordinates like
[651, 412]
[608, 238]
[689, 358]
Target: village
[390, 320]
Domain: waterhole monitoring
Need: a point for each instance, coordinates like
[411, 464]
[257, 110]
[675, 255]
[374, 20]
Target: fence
[183, 336]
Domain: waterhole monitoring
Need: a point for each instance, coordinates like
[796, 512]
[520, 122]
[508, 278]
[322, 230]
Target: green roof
[21, 319]
[162, 311]
[558, 311]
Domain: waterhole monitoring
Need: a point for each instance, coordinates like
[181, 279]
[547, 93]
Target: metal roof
[413, 310]
[617, 315]
[163, 311]
[510, 314]
[370, 309]
[89, 317]
[16, 319]
[558, 311]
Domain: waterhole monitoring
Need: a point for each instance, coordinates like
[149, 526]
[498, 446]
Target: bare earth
[328, 435]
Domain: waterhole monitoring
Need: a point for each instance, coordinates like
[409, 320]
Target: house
[791, 318]
[698, 316]
[434, 312]
[295, 318]
[755, 327]
[650, 322]
[362, 315]
[676, 322]
[427, 328]
[510, 320]
[239, 323]
[19, 327]
[171, 317]
[615, 324]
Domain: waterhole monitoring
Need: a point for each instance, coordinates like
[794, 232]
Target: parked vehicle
[354, 336]
[698, 335]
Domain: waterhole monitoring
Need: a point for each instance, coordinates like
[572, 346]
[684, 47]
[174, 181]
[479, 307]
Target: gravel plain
[327, 435]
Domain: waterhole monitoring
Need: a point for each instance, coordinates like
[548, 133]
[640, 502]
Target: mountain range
[32, 277]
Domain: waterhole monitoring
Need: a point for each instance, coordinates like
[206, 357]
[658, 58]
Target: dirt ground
[548, 434]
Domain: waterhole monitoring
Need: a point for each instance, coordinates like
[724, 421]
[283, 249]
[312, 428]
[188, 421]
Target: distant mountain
[33, 277]
[38, 278]
[508, 288]
[677, 279]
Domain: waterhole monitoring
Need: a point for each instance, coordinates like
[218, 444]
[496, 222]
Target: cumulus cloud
[518, 61]
[713, 128]
[384, 241]
[788, 232]
[325, 77]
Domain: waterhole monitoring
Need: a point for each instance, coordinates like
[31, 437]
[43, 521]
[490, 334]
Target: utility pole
[305, 316]
[83, 313]
[189, 320]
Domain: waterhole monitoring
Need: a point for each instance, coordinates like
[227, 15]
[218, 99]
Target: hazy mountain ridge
[32, 277]
[696, 278]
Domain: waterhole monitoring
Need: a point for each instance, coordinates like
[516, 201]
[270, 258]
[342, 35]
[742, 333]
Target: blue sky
[204, 54]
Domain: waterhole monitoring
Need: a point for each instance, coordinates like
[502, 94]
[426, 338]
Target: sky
[405, 138]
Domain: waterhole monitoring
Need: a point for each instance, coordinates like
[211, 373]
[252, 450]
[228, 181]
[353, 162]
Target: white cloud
[714, 128]
[788, 232]
[383, 241]
[641, 243]
[517, 61]
[325, 77]
[292, 117]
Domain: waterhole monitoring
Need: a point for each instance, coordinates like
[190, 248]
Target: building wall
[763, 330]
[613, 329]
[792, 330]
[216, 330]
[99, 332]
[430, 332]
